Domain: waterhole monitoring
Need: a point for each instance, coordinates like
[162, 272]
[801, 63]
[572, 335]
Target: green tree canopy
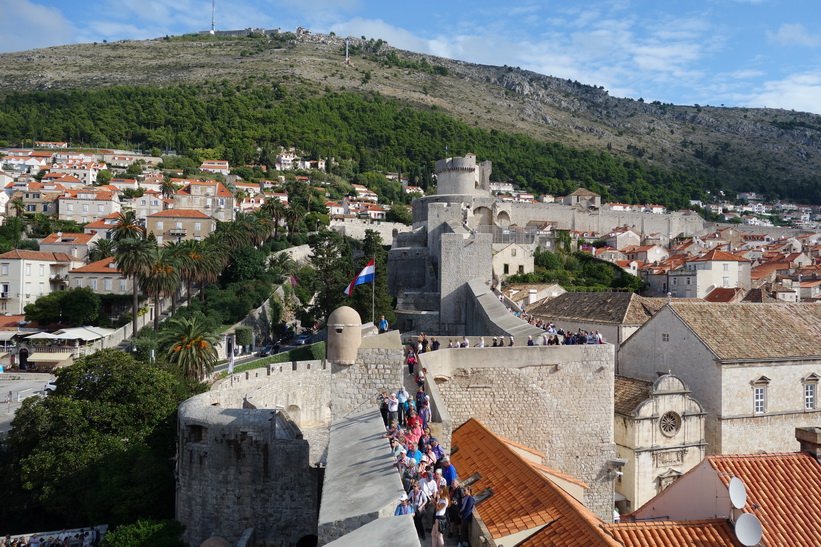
[74, 307]
[98, 450]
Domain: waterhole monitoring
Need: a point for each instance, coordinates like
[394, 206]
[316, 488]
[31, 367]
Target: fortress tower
[463, 176]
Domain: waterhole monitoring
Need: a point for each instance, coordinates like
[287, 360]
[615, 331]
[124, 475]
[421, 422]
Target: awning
[41, 336]
[48, 357]
[6, 335]
[86, 334]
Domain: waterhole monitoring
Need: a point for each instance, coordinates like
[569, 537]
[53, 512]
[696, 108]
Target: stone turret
[344, 335]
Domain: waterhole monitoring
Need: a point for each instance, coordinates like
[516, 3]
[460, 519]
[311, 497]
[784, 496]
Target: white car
[50, 387]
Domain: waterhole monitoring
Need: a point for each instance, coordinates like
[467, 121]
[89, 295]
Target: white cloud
[797, 91]
[794, 34]
[27, 25]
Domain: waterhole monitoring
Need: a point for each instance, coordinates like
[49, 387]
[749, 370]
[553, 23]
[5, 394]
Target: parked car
[50, 387]
[266, 351]
[302, 339]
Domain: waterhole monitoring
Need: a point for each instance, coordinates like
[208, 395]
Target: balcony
[177, 231]
[59, 278]
[4, 296]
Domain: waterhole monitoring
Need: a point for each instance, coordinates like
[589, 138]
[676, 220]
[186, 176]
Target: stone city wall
[242, 468]
[556, 399]
[464, 257]
[302, 388]
[356, 228]
[379, 367]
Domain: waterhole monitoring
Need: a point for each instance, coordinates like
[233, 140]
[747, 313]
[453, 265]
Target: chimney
[531, 296]
[810, 440]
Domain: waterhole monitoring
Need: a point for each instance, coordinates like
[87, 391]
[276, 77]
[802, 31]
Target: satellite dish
[738, 493]
[748, 529]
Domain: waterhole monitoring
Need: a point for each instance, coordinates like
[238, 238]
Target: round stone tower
[344, 335]
[462, 176]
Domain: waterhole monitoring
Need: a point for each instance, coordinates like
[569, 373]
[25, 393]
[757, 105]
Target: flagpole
[373, 294]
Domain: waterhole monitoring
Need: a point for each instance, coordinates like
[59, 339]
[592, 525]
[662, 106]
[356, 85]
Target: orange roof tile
[58, 237]
[522, 498]
[38, 255]
[786, 488]
[696, 533]
[100, 266]
[722, 256]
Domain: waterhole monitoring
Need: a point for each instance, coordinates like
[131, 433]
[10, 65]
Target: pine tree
[361, 296]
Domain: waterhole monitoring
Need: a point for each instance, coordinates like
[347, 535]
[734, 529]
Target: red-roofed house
[103, 226]
[27, 275]
[783, 491]
[102, 277]
[209, 196]
[87, 204]
[179, 224]
[215, 166]
[701, 275]
[76, 245]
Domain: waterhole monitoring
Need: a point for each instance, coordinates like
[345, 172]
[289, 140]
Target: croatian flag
[365, 276]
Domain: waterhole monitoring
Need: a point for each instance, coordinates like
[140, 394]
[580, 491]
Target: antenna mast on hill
[213, 12]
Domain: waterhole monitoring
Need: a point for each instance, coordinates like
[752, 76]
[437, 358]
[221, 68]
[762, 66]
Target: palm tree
[102, 248]
[18, 205]
[190, 346]
[196, 260]
[168, 188]
[161, 278]
[133, 258]
[276, 209]
[293, 216]
[127, 227]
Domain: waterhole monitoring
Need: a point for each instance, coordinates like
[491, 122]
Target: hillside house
[209, 196]
[179, 225]
[87, 204]
[25, 276]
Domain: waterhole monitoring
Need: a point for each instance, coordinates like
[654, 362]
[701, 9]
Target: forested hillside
[396, 109]
[246, 123]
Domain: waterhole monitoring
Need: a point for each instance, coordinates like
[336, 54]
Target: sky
[740, 53]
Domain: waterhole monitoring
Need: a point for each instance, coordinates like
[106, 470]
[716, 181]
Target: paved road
[14, 388]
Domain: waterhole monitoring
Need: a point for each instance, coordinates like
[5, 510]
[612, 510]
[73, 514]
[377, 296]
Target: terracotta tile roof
[522, 498]
[102, 223]
[38, 255]
[100, 266]
[600, 307]
[179, 213]
[785, 487]
[63, 238]
[721, 294]
[219, 189]
[695, 533]
[721, 256]
[629, 393]
[754, 331]
[584, 192]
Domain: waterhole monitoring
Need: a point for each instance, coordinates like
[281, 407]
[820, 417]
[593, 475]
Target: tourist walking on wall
[466, 517]
[383, 407]
[418, 500]
[404, 507]
[440, 523]
[393, 409]
[383, 324]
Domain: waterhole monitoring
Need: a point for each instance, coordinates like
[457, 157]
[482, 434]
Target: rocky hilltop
[782, 147]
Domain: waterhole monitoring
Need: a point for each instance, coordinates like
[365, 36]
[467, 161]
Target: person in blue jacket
[466, 515]
[404, 508]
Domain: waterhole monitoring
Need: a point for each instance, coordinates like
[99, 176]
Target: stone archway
[503, 218]
[483, 216]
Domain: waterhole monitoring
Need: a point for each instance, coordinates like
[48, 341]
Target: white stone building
[754, 367]
[659, 430]
[25, 276]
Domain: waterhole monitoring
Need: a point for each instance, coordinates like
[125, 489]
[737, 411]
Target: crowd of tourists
[433, 494]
